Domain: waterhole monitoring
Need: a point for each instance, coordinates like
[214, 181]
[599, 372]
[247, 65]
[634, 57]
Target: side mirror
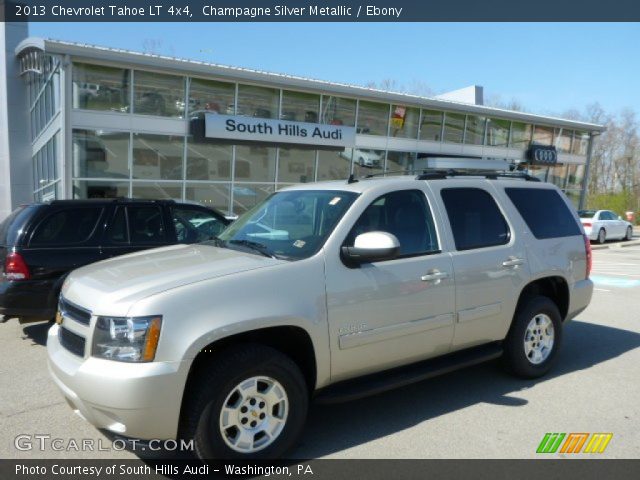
[372, 247]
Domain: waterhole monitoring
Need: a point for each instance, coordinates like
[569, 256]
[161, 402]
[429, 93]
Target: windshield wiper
[258, 247]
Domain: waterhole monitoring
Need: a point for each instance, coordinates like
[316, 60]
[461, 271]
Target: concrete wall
[16, 176]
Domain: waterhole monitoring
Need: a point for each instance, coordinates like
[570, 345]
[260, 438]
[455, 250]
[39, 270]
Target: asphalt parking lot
[479, 412]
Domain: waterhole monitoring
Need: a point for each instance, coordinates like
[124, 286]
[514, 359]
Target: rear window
[586, 213]
[544, 211]
[13, 224]
[66, 227]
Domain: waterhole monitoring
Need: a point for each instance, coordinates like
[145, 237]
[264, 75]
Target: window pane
[557, 175]
[258, 102]
[431, 126]
[400, 161]
[333, 165]
[404, 214]
[99, 154]
[213, 195]
[208, 161]
[195, 225]
[157, 157]
[475, 130]
[100, 88]
[247, 196]
[373, 118]
[210, 96]
[158, 94]
[255, 163]
[338, 111]
[100, 189]
[67, 227]
[543, 135]
[146, 225]
[300, 107]
[539, 172]
[476, 220]
[365, 160]
[497, 132]
[575, 176]
[157, 190]
[296, 165]
[580, 143]
[520, 135]
[117, 231]
[404, 121]
[453, 127]
[563, 140]
[544, 211]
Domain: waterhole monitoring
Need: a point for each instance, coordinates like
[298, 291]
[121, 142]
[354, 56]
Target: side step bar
[398, 377]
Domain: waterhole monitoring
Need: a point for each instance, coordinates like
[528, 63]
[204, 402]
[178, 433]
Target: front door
[393, 312]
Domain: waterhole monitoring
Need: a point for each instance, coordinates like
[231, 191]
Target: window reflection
[497, 132]
[208, 161]
[373, 118]
[157, 156]
[300, 107]
[333, 165]
[474, 134]
[520, 135]
[211, 96]
[453, 127]
[431, 126]
[96, 87]
[158, 94]
[258, 102]
[214, 195]
[338, 111]
[404, 121]
[543, 135]
[99, 154]
[296, 165]
[255, 163]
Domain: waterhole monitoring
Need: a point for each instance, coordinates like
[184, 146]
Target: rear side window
[544, 211]
[475, 218]
[66, 227]
[10, 227]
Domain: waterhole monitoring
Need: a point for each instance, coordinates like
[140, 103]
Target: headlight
[127, 339]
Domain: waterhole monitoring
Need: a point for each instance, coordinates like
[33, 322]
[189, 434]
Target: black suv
[41, 243]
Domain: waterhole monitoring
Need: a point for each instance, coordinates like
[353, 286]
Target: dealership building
[88, 122]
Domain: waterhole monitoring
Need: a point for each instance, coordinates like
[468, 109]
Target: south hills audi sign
[235, 127]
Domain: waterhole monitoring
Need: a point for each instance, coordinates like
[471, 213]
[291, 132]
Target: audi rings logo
[543, 155]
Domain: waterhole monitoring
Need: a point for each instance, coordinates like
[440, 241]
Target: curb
[619, 244]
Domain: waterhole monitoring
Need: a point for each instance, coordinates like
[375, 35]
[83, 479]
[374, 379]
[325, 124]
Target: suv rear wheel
[532, 344]
[249, 403]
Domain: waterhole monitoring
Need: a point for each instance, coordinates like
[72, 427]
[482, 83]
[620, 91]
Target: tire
[629, 234]
[219, 384]
[519, 356]
[602, 236]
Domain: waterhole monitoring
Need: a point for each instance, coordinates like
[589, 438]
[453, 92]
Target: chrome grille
[74, 312]
[71, 341]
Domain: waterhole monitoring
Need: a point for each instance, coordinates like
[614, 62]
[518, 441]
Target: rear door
[489, 261]
[135, 227]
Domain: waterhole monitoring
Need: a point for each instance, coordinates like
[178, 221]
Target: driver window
[404, 214]
[194, 225]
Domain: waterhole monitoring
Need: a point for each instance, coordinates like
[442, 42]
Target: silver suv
[331, 290]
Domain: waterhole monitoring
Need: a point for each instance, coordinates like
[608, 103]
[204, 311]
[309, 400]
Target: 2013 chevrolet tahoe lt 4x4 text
[331, 290]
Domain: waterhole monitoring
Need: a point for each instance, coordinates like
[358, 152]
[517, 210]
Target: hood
[111, 286]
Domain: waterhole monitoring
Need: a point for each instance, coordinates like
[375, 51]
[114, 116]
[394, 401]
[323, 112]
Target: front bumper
[139, 400]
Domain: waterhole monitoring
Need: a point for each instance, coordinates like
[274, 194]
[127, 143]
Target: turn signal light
[15, 267]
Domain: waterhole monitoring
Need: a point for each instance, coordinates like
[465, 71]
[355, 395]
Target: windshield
[289, 224]
[586, 213]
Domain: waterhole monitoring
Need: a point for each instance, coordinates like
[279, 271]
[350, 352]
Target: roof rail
[439, 175]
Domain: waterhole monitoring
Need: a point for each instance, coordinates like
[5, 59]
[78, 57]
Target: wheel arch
[555, 288]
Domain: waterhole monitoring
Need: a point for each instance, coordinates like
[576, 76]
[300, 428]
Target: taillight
[15, 267]
[587, 249]
[587, 224]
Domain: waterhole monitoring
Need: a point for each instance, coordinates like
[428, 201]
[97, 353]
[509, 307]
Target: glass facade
[233, 177]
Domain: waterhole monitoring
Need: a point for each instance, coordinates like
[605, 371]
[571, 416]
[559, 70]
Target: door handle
[434, 275]
[513, 262]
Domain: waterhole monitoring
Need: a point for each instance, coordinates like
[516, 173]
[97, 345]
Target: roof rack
[438, 175]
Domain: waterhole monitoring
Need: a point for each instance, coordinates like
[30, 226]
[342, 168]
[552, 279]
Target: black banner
[318, 11]
[583, 469]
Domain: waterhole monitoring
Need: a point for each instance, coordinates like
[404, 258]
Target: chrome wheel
[602, 236]
[254, 414]
[538, 339]
[629, 235]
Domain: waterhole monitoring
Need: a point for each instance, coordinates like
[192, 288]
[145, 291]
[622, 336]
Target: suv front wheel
[532, 344]
[251, 402]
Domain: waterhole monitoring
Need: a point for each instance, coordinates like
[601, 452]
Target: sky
[548, 67]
